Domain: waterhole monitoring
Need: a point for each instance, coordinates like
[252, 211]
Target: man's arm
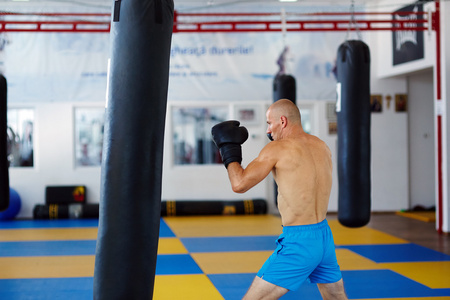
[244, 179]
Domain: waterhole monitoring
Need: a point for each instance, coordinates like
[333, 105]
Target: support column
[441, 111]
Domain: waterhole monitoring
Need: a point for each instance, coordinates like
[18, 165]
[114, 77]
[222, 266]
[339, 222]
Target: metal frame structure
[192, 22]
[263, 22]
[223, 22]
[54, 22]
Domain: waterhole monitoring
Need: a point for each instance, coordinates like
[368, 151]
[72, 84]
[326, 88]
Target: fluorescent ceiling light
[287, 0]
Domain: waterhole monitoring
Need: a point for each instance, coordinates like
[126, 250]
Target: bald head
[287, 108]
[283, 120]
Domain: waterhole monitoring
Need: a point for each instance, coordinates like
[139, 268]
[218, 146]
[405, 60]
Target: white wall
[390, 189]
[421, 139]
[54, 157]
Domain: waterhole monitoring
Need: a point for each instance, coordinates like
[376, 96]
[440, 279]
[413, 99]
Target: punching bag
[4, 175]
[284, 87]
[353, 117]
[130, 200]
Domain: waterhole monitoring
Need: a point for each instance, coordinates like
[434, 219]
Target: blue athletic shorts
[304, 252]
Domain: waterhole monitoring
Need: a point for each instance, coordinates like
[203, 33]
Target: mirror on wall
[20, 143]
[191, 135]
[89, 127]
[306, 119]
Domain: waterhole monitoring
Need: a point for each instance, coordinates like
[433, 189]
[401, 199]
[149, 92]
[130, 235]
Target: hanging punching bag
[130, 201]
[4, 175]
[353, 117]
[284, 87]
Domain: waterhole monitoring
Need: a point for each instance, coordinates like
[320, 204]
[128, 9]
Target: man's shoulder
[273, 149]
[273, 145]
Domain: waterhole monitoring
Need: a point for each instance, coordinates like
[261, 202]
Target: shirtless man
[301, 165]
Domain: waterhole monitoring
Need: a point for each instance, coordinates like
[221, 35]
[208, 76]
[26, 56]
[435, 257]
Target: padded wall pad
[4, 175]
[130, 198]
[66, 211]
[353, 117]
[65, 194]
[211, 207]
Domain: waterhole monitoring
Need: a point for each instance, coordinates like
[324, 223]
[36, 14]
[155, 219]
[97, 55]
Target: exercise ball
[14, 206]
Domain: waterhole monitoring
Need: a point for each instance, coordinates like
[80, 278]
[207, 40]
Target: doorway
[421, 140]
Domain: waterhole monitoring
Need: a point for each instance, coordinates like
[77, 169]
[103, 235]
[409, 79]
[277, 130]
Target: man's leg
[332, 290]
[261, 289]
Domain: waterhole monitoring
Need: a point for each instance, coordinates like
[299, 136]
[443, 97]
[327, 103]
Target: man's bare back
[303, 176]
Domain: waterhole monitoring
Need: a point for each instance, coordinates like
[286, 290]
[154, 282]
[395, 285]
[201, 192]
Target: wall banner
[62, 67]
[407, 45]
[242, 66]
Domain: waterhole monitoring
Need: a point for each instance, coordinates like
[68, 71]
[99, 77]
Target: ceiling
[200, 4]
[108, 3]
[197, 2]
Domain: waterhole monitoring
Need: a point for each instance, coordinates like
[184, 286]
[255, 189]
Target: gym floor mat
[213, 258]
[425, 216]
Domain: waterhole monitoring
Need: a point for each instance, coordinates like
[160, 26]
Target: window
[20, 137]
[89, 126]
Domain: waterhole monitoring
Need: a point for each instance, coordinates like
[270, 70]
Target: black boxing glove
[228, 137]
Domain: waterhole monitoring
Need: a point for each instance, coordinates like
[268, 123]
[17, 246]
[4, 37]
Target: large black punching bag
[130, 200]
[4, 175]
[353, 117]
[284, 87]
